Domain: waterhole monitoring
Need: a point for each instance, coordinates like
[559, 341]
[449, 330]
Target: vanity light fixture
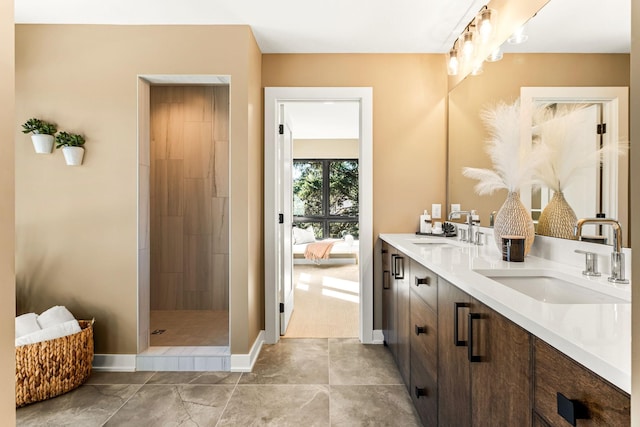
[485, 22]
[495, 56]
[465, 49]
[477, 69]
[518, 36]
[452, 62]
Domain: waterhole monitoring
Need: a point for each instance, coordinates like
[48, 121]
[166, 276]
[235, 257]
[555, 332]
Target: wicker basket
[51, 368]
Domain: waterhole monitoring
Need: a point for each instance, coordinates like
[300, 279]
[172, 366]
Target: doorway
[325, 219]
[277, 256]
[183, 230]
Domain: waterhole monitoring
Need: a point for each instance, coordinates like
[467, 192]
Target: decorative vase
[42, 143]
[513, 219]
[557, 218]
[73, 155]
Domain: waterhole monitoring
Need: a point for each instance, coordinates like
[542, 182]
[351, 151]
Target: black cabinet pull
[423, 281]
[399, 267]
[385, 280]
[421, 330]
[393, 265]
[419, 392]
[472, 357]
[456, 307]
[571, 410]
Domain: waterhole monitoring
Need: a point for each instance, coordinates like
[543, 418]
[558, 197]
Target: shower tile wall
[189, 197]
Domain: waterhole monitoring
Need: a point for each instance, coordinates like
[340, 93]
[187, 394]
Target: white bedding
[341, 253]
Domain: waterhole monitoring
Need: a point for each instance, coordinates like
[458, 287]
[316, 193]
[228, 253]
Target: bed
[341, 253]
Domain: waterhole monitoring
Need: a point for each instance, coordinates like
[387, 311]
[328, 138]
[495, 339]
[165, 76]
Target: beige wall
[502, 81]
[409, 116]
[634, 170]
[7, 272]
[76, 227]
[325, 148]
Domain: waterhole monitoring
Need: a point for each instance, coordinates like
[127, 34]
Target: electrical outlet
[436, 211]
[455, 207]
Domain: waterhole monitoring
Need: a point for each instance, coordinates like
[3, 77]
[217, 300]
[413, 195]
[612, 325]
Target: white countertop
[597, 336]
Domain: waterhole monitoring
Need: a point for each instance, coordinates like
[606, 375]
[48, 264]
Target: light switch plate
[436, 211]
[455, 207]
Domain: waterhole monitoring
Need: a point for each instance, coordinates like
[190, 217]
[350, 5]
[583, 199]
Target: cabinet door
[403, 355]
[454, 392]
[589, 398]
[389, 302]
[500, 359]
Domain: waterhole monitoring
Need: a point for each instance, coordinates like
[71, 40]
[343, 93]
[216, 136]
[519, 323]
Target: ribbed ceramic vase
[557, 218]
[513, 219]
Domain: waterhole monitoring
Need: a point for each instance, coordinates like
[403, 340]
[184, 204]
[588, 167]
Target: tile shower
[189, 222]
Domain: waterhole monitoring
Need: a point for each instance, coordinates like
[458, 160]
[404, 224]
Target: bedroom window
[325, 196]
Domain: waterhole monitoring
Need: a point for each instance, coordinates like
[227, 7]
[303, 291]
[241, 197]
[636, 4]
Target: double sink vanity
[481, 341]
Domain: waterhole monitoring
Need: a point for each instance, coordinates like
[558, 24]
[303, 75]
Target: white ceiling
[350, 26]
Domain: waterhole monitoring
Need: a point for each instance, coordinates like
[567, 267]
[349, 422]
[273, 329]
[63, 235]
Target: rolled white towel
[60, 330]
[26, 324]
[54, 316]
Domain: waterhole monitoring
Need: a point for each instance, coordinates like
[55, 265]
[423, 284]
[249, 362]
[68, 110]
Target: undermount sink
[432, 241]
[554, 287]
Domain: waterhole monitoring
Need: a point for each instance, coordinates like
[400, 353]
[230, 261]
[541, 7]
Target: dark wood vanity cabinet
[567, 393]
[395, 307]
[467, 365]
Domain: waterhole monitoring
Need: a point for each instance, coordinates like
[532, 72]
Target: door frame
[273, 96]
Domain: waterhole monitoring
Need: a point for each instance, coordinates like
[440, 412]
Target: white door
[582, 193]
[285, 202]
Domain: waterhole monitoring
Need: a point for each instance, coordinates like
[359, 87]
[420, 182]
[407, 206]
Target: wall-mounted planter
[73, 155]
[42, 143]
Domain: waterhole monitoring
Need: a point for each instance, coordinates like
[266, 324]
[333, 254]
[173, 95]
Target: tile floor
[189, 328]
[298, 382]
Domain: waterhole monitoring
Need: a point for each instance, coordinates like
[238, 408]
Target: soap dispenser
[425, 223]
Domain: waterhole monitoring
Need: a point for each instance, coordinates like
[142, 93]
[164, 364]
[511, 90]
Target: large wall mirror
[581, 73]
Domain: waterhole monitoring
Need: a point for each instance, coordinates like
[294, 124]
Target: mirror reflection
[503, 81]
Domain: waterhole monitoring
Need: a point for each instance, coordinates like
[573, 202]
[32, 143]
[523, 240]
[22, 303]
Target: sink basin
[431, 241]
[553, 287]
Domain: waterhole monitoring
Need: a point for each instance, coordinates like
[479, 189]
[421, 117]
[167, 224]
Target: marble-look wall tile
[163, 94]
[172, 245]
[168, 187]
[144, 298]
[166, 293]
[221, 113]
[220, 277]
[220, 182]
[220, 225]
[197, 207]
[159, 126]
[175, 132]
[198, 150]
[198, 104]
[197, 262]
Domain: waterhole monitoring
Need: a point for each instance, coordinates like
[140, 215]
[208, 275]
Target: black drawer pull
[399, 267]
[456, 307]
[423, 281]
[386, 280]
[421, 330]
[393, 265]
[472, 357]
[571, 410]
[419, 392]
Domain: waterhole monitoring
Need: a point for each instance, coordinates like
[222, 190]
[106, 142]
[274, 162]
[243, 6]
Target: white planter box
[73, 155]
[43, 144]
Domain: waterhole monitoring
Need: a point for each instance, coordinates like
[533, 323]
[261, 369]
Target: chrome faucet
[617, 257]
[470, 233]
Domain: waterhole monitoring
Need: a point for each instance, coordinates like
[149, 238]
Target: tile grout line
[229, 399]
[128, 399]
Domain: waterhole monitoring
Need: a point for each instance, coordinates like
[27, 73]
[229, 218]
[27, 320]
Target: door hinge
[602, 129]
[280, 218]
[281, 129]
[281, 307]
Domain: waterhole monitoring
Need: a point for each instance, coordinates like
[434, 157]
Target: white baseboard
[114, 362]
[378, 336]
[245, 362]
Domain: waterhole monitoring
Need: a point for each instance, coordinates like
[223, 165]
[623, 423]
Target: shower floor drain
[158, 332]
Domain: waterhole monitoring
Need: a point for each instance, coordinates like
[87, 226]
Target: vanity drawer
[424, 335]
[424, 391]
[425, 283]
[563, 385]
